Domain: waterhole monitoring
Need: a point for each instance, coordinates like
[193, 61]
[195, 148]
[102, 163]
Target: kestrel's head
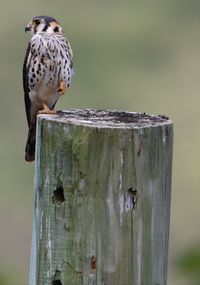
[43, 24]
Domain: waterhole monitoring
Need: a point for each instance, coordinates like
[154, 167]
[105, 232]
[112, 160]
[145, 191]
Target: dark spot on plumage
[35, 61]
[68, 85]
[31, 80]
[34, 75]
[48, 55]
[68, 78]
[61, 54]
[59, 71]
[42, 60]
[56, 30]
[68, 46]
[45, 27]
[32, 69]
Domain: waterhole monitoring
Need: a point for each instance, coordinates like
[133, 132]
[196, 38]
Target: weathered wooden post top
[102, 199]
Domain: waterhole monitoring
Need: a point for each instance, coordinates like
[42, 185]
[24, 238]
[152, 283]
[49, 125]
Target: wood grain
[102, 199]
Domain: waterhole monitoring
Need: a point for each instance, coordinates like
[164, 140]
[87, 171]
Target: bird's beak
[28, 28]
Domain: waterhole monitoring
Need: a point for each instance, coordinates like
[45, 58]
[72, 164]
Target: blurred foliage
[189, 264]
[133, 55]
[3, 279]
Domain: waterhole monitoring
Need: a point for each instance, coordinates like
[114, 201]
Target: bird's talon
[59, 112]
[61, 88]
[47, 112]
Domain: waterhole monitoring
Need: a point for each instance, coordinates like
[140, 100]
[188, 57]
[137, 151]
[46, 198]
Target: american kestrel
[47, 72]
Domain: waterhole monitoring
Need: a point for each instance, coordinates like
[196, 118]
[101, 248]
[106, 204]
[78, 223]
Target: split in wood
[93, 262]
[133, 194]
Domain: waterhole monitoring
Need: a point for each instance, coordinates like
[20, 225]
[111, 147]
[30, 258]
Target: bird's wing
[25, 83]
[70, 54]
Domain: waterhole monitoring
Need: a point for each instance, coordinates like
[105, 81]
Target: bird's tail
[30, 144]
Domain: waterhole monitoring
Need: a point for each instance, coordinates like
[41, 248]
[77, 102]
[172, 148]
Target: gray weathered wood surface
[102, 199]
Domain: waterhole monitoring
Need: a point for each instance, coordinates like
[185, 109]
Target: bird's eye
[37, 22]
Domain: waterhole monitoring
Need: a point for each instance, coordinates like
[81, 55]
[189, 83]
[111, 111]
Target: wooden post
[102, 199]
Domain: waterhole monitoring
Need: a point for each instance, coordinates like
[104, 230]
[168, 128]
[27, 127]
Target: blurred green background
[131, 55]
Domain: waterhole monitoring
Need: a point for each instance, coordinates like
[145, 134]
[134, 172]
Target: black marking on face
[56, 30]
[45, 28]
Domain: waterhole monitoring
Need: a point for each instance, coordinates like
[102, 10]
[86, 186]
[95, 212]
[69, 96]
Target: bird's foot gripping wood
[61, 88]
[47, 111]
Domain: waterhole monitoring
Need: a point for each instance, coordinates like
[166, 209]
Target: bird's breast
[49, 65]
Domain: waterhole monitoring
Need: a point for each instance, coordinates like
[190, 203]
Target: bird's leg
[61, 88]
[46, 110]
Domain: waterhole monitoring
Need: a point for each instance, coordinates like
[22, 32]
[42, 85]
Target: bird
[47, 73]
